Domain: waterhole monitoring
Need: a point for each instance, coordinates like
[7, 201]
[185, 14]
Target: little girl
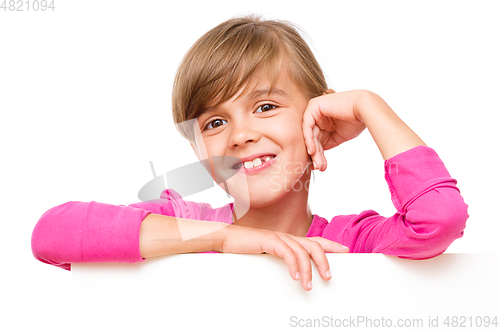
[251, 98]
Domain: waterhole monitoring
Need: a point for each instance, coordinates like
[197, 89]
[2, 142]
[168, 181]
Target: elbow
[50, 236]
[449, 227]
[439, 229]
[451, 219]
[456, 220]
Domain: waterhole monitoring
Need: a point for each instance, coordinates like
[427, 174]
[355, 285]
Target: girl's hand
[296, 251]
[329, 120]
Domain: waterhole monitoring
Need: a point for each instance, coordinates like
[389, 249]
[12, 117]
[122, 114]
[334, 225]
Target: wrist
[219, 240]
[367, 104]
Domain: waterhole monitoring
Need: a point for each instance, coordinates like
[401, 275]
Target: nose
[243, 131]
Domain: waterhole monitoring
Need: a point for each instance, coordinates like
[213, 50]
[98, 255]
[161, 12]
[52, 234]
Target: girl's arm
[78, 232]
[431, 213]
[389, 132]
[83, 232]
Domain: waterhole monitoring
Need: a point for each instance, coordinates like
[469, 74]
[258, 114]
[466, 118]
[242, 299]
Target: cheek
[288, 134]
[292, 141]
[295, 135]
[289, 126]
[201, 147]
[208, 151]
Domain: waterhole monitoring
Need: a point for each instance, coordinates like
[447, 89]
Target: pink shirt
[430, 215]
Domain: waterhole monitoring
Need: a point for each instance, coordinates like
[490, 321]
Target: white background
[85, 103]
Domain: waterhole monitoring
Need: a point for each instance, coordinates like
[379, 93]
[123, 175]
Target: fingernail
[297, 276]
[308, 151]
[328, 273]
[315, 167]
[345, 247]
[309, 285]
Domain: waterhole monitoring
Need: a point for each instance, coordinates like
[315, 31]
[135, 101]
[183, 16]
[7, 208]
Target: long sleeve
[76, 232]
[430, 215]
[84, 232]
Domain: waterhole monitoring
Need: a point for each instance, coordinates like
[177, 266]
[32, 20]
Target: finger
[321, 153]
[304, 261]
[333, 141]
[316, 132]
[318, 157]
[329, 245]
[314, 157]
[279, 248]
[325, 137]
[308, 124]
[321, 118]
[319, 257]
[314, 117]
[322, 121]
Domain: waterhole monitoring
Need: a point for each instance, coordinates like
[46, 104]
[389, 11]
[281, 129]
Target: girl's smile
[254, 164]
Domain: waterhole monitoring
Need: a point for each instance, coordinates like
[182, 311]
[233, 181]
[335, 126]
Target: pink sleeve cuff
[78, 232]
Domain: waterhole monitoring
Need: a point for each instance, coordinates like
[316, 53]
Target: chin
[257, 198]
[263, 200]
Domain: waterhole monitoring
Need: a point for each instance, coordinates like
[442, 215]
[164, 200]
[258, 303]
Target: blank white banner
[255, 292]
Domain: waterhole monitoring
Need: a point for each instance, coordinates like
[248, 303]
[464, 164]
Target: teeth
[255, 163]
[248, 164]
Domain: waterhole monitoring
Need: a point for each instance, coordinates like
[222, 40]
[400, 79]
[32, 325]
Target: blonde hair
[227, 57]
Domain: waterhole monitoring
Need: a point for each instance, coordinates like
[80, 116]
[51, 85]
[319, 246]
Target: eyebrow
[265, 91]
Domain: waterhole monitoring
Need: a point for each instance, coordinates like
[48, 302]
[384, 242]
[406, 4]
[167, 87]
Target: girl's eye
[215, 124]
[219, 122]
[265, 108]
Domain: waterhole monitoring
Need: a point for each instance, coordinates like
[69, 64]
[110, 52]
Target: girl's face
[256, 139]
